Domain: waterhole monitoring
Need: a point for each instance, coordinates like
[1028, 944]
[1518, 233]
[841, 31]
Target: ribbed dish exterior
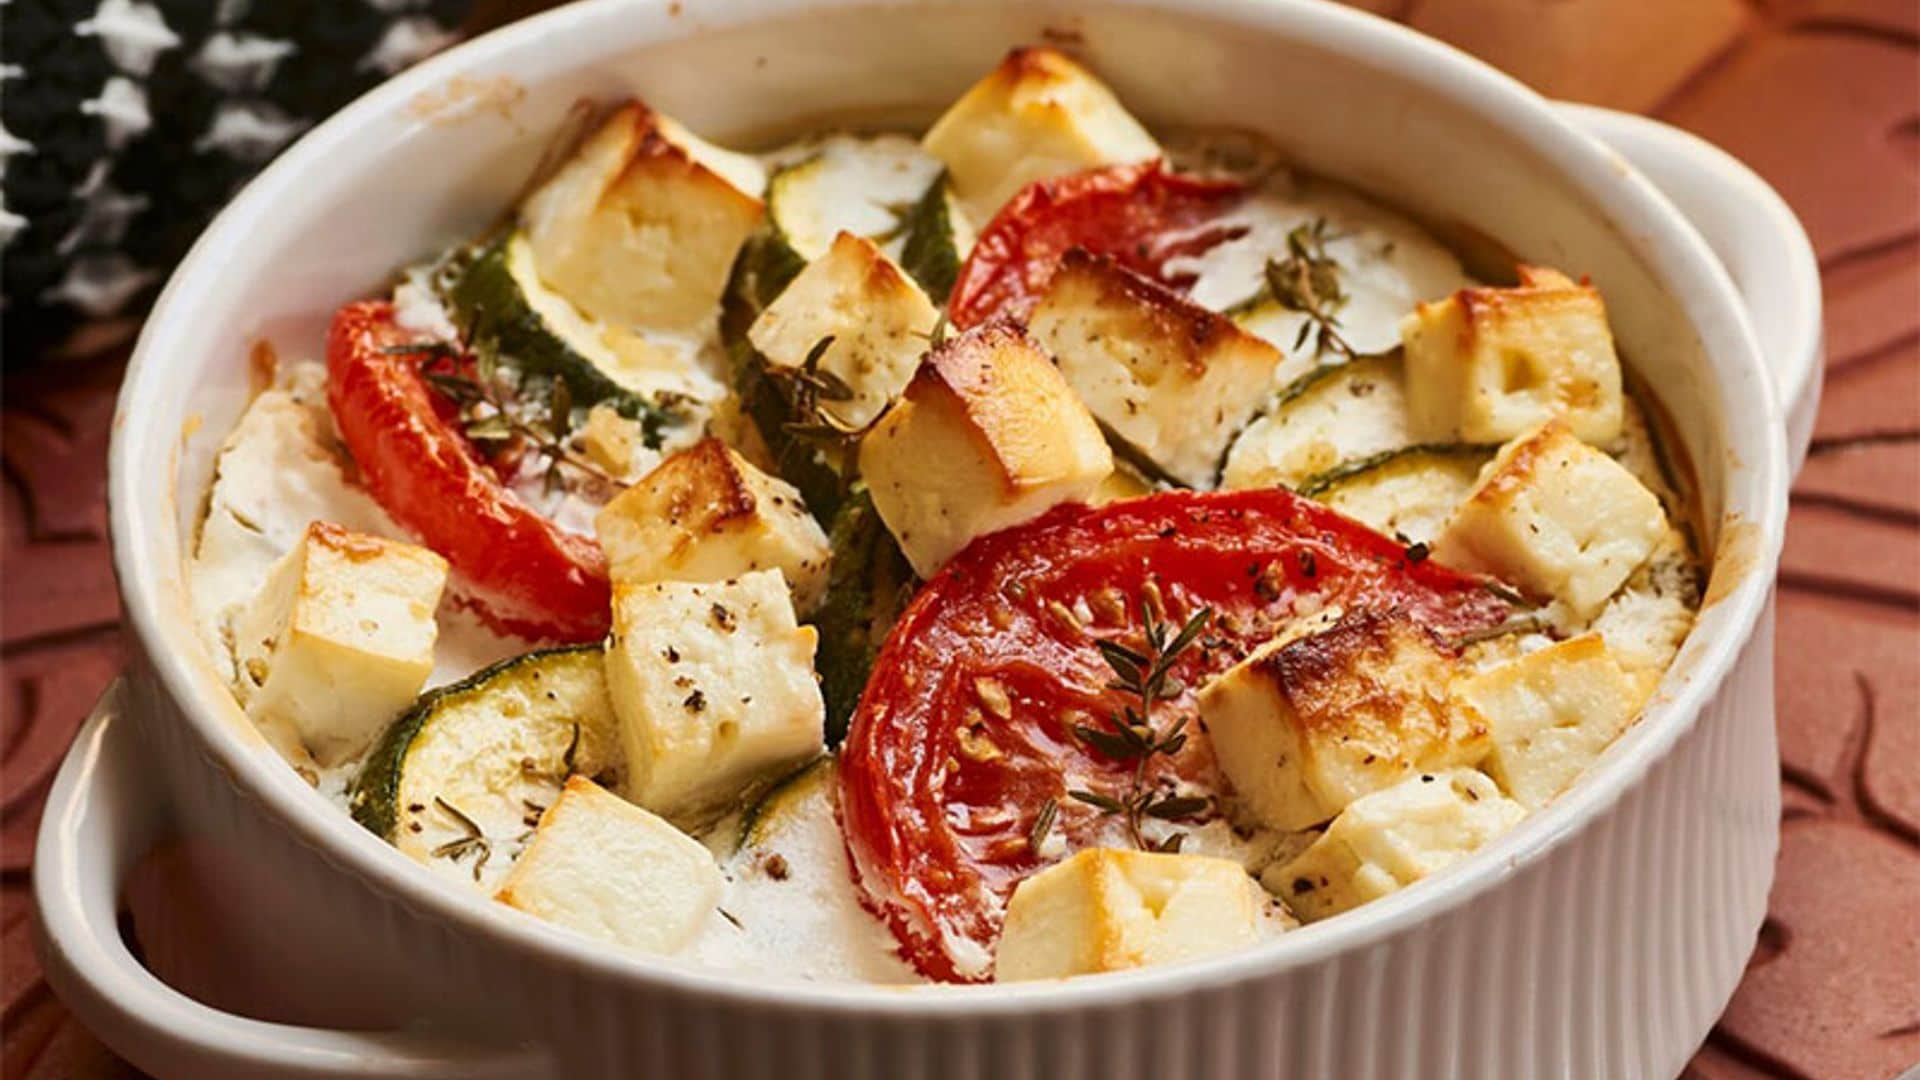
[1607, 957]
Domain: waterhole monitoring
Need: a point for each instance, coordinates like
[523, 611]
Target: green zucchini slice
[463, 775]
[1333, 414]
[1409, 492]
[499, 302]
[765, 266]
[863, 184]
[867, 585]
[936, 241]
[808, 790]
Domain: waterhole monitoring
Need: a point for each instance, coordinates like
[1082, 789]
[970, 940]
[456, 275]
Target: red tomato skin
[900, 778]
[1130, 213]
[516, 569]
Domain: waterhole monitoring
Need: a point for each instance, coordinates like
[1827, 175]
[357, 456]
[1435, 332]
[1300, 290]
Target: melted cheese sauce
[790, 907]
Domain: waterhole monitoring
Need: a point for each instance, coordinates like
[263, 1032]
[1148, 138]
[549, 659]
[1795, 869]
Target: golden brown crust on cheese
[1372, 676]
[648, 150]
[717, 494]
[1174, 319]
[1034, 62]
[1486, 306]
[1007, 388]
[1519, 462]
[353, 546]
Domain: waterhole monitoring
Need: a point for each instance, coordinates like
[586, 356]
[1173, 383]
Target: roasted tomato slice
[1140, 215]
[966, 727]
[518, 570]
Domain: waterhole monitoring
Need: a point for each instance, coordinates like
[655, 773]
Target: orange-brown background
[1821, 96]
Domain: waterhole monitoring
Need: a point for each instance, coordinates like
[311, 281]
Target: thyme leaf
[1172, 808]
[1146, 675]
[1093, 798]
[808, 389]
[1042, 825]
[1307, 280]
[492, 414]
[475, 840]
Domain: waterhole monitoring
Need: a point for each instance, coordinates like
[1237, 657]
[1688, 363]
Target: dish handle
[104, 812]
[1755, 235]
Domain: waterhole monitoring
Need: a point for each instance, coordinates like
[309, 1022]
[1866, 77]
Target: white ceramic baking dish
[1598, 939]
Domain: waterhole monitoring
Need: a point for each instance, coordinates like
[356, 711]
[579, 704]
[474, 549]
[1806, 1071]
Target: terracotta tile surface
[1626, 54]
[1870, 300]
[1819, 95]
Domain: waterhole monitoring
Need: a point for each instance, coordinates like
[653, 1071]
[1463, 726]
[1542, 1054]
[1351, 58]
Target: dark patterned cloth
[128, 123]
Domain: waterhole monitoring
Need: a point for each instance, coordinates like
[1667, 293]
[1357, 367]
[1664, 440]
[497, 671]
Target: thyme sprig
[474, 840]
[493, 413]
[1307, 280]
[809, 389]
[1131, 735]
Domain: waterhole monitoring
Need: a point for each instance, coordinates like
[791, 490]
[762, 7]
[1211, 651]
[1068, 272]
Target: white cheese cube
[639, 229]
[878, 318]
[1555, 517]
[986, 435]
[1551, 713]
[1104, 909]
[339, 639]
[706, 514]
[1304, 727]
[713, 691]
[1174, 380]
[1486, 364]
[745, 172]
[1391, 839]
[1037, 115]
[601, 866]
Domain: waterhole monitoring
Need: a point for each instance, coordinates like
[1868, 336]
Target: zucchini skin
[491, 313]
[766, 265]
[373, 797]
[1282, 398]
[864, 587]
[751, 822]
[778, 188]
[1126, 455]
[928, 253]
[1298, 388]
[1323, 482]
